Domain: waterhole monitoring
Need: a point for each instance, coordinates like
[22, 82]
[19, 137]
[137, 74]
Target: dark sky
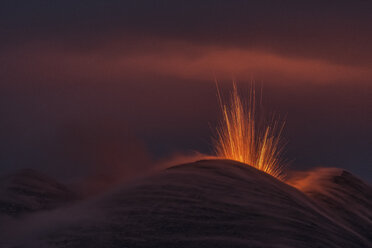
[90, 86]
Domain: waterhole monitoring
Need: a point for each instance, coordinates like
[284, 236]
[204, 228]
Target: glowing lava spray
[245, 135]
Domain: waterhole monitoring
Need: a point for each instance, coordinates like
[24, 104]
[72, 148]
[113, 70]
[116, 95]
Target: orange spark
[244, 136]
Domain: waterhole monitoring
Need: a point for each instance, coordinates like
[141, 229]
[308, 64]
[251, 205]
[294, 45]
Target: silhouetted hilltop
[216, 203]
[344, 197]
[29, 191]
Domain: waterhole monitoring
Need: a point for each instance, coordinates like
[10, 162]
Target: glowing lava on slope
[245, 135]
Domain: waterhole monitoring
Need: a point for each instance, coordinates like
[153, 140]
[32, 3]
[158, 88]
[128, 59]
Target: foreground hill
[212, 203]
[29, 191]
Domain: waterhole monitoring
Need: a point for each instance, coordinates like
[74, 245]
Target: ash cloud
[336, 32]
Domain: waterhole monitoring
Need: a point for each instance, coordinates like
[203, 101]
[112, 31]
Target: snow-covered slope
[217, 203]
[29, 191]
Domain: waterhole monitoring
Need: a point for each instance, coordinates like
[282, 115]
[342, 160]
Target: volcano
[210, 203]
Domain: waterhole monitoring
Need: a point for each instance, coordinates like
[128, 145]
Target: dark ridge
[28, 191]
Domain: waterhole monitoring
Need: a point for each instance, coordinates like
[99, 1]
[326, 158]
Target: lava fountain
[244, 134]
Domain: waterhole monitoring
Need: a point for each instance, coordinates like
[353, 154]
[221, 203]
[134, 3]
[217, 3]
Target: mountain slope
[210, 203]
[28, 191]
[343, 196]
